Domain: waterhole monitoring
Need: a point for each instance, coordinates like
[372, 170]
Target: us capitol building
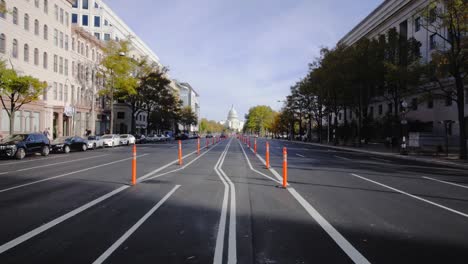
[233, 122]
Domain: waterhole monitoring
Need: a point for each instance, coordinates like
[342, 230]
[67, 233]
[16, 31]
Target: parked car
[127, 139]
[223, 135]
[67, 144]
[182, 136]
[209, 135]
[111, 140]
[19, 145]
[152, 138]
[140, 139]
[95, 142]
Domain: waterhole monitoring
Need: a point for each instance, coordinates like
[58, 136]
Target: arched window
[2, 43]
[87, 51]
[36, 27]
[14, 51]
[26, 52]
[2, 7]
[15, 15]
[82, 49]
[26, 21]
[46, 32]
[36, 56]
[46, 6]
[45, 59]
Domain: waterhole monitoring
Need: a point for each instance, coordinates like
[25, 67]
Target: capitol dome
[232, 115]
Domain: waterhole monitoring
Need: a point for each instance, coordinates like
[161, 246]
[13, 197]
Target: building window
[44, 60]
[82, 49]
[97, 35]
[380, 109]
[55, 91]
[36, 56]
[36, 27]
[67, 19]
[73, 68]
[96, 5]
[65, 93]
[55, 63]
[74, 19]
[36, 3]
[56, 12]
[61, 92]
[85, 4]
[44, 95]
[46, 32]
[15, 15]
[432, 41]
[61, 16]
[61, 40]
[46, 6]
[87, 51]
[371, 111]
[2, 43]
[75, 3]
[107, 37]
[120, 115]
[55, 37]
[26, 22]
[66, 67]
[72, 98]
[84, 20]
[2, 7]
[61, 65]
[390, 108]
[430, 103]
[66, 42]
[106, 23]
[417, 24]
[26, 52]
[93, 55]
[97, 21]
[414, 104]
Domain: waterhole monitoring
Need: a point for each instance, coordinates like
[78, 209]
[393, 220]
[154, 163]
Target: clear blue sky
[241, 52]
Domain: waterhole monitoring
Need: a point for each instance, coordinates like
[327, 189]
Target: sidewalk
[378, 149]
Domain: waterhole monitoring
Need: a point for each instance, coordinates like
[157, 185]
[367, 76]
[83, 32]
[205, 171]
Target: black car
[19, 145]
[66, 144]
[209, 135]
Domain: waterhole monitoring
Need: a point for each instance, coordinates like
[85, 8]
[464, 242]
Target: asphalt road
[224, 206]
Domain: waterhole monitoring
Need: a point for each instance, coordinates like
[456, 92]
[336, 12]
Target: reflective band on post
[134, 165]
[285, 167]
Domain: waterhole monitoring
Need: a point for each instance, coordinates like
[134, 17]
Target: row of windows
[64, 93]
[61, 15]
[85, 50]
[60, 39]
[84, 4]
[85, 20]
[26, 18]
[26, 51]
[25, 121]
[60, 65]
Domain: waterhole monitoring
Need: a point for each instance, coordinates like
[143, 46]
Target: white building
[35, 40]
[233, 122]
[404, 15]
[189, 97]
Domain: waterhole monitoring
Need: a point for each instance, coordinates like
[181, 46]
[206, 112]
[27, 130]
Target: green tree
[259, 119]
[188, 117]
[447, 20]
[16, 91]
[117, 70]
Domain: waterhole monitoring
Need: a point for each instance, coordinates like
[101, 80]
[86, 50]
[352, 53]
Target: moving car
[67, 144]
[127, 139]
[111, 140]
[95, 142]
[19, 145]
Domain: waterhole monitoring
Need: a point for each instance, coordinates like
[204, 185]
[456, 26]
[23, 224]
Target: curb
[431, 161]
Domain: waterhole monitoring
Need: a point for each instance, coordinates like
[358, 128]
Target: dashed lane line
[343, 158]
[446, 182]
[132, 230]
[53, 164]
[66, 174]
[411, 195]
[299, 155]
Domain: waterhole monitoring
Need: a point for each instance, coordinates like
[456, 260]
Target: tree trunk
[461, 116]
[133, 124]
[12, 122]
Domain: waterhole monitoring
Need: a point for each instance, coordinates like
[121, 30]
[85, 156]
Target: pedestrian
[47, 133]
[88, 132]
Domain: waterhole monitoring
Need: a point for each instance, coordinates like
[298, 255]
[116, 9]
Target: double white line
[229, 190]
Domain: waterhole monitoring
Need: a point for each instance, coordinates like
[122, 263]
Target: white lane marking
[276, 174]
[42, 228]
[149, 176]
[377, 159]
[53, 164]
[339, 239]
[252, 168]
[25, 161]
[232, 240]
[411, 195]
[299, 155]
[66, 174]
[343, 158]
[218, 256]
[446, 182]
[129, 232]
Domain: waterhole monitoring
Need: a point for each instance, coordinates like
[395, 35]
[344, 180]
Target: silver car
[111, 140]
[95, 142]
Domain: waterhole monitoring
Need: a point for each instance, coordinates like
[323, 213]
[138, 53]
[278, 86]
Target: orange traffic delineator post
[255, 145]
[198, 146]
[134, 165]
[267, 155]
[180, 152]
[285, 167]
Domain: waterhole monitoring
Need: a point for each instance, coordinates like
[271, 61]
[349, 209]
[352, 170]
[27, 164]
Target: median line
[66, 174]
[446, 182]
[132, 230]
